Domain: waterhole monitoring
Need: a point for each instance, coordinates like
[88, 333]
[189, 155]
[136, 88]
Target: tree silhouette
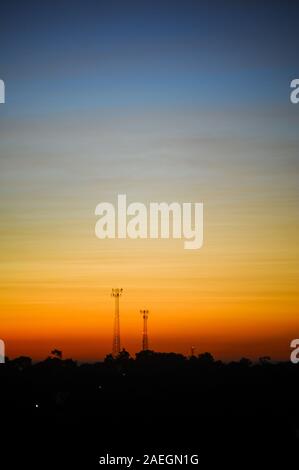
[56, 353]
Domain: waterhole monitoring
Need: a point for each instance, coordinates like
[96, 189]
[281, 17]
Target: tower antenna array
[116, 293]
[144, 314]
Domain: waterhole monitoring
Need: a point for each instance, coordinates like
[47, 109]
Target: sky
[185, 101]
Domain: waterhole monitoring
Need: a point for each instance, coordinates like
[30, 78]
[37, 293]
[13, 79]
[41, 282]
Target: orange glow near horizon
[227, 301]
[236, 296]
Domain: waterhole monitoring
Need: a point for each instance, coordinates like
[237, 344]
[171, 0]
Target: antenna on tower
[144, 314]
[116, 293]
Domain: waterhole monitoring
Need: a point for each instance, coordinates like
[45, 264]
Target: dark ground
[237, 415]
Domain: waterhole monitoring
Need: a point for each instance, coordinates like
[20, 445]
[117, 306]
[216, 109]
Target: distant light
[36, 405]
[100, 386]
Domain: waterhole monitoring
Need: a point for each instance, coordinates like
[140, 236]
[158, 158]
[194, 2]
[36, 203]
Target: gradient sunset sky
[164, 101]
